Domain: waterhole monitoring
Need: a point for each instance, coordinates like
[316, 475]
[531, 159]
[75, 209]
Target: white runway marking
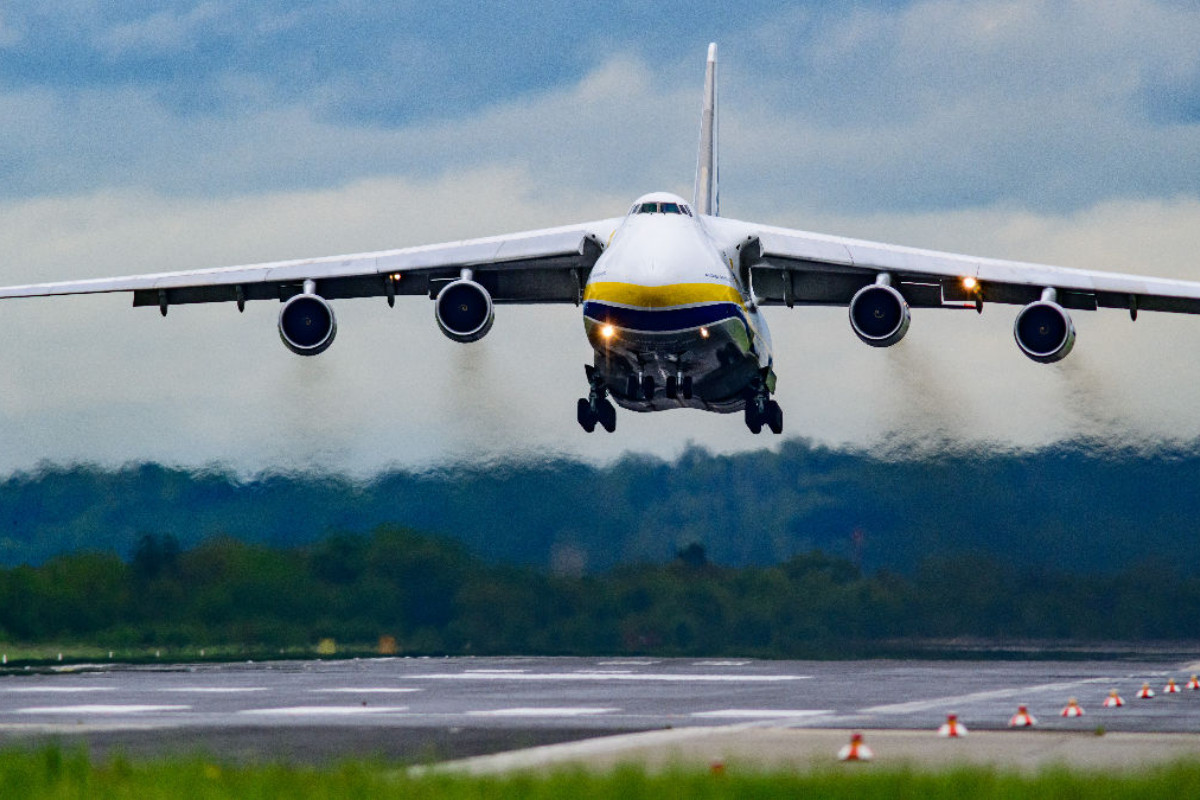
[495, 671]
[52, 689]
[307, 711]
[542, 712]
[606, 676]
[720, 663]
[962, 699]
[626, 662]
[364, 690]
[213, 689]
[759, 713]
[100, 709]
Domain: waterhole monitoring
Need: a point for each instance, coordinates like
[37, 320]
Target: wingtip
[712, 51]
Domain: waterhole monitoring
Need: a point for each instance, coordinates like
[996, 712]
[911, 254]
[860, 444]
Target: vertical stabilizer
[707, 196]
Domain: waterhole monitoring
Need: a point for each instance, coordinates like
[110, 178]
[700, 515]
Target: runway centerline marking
[100, 709]
[606, 676]
[759, 713]
[56, 689]
[364, 690]
[306, 711]
[720, 663]
[212, 689]
[974, 697]
[542, 712]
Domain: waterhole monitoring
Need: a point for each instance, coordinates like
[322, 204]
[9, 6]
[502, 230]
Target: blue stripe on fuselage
[661, 320]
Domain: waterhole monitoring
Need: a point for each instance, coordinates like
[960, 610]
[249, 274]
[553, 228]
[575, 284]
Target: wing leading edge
[542, 266]
[791, 267]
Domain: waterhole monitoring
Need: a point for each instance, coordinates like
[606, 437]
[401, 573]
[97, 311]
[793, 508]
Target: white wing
[543, 266]
[790, 267]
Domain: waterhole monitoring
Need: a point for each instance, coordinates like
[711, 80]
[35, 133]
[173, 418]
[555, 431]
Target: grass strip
[52, 772]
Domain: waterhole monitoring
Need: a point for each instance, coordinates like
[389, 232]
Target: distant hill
[1077, 507]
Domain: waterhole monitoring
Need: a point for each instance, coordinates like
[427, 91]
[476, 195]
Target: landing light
[704, 333]
[607, 331]
[969, 283]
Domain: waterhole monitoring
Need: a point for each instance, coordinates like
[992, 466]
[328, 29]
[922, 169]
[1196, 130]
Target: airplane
[671, 293]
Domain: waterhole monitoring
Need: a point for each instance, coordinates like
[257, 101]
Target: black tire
[606, 414]
[631, 388]
[753, 419]
[775, 417]
[672, 388]
[583, 413]
[687, 387]
[648, 387]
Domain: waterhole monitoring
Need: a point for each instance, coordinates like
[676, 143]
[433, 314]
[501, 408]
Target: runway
[431, 709]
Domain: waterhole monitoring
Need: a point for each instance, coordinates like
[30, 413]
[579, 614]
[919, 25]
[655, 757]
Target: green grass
[54, 773]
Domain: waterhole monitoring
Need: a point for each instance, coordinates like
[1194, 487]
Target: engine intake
[307, 325]
[1044, 331]
[464, 310]
[879, 315]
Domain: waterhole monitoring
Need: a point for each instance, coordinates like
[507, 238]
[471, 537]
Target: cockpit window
[660, 208]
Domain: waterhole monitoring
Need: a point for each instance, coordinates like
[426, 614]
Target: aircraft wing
[542, 266]
[790, 267]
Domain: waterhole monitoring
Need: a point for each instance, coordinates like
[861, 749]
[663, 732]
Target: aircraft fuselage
[663, 301]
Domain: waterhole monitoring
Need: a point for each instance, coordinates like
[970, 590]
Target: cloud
[1007, 129]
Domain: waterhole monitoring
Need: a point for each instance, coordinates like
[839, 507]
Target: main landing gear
[596, 407]
[762, 410]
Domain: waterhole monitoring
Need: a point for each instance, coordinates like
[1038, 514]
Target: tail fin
[707, 196]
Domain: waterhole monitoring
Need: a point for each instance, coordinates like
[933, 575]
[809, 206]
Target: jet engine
[464, 310]
[1044, 331]
[879, 315]
[306, 324]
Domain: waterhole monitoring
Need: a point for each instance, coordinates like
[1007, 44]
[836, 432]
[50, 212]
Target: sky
[139, 137]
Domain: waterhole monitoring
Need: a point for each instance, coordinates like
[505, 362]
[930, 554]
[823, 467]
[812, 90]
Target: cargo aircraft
[671, 293]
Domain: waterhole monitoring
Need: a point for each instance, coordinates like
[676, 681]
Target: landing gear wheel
[585, 415]
[648, 387]
[774, 417]
[686, 387]
[672, 388]
[754, 419]
[606, 414]
[631, 387]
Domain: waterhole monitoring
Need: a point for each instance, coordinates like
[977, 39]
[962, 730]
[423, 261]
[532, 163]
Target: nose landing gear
[596, 407]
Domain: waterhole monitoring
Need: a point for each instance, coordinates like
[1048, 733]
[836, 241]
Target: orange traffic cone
[1145, 693]
[1171, 688]
[1072, 709]
[1113, 700]
[952, 728]
[1022, 719]
[1194, 683]
[856, 750]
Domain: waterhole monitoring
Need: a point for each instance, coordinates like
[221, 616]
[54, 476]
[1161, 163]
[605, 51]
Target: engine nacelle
[464, 311]
[1044, 331]
[879, 315]
[307, 325]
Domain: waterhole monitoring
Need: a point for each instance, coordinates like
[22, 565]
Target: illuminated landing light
[704, 333]
[970, 284]
[395, 276]
[607, 331]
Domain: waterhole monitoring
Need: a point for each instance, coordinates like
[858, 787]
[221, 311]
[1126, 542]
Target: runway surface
[430, 709]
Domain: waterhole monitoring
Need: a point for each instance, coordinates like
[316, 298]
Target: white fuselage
[664, 300]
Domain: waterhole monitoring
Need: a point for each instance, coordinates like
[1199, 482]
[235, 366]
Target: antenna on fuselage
[707, 196]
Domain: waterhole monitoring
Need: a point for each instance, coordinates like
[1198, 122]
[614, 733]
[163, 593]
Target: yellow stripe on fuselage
[673, 294]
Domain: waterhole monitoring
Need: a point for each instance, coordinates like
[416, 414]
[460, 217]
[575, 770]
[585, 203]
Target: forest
[430, 595]
[1082, 507]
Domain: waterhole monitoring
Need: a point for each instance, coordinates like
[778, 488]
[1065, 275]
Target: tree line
[432, 596]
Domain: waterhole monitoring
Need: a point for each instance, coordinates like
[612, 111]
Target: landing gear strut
[762, 410]
[596, 407]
